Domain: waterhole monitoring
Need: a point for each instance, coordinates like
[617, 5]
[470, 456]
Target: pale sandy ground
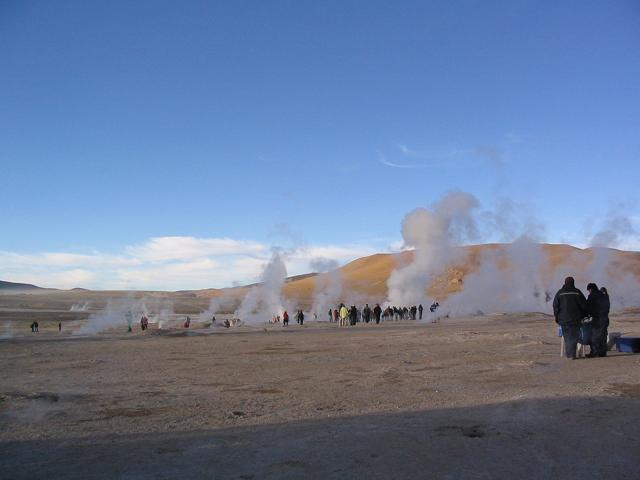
[481, 398]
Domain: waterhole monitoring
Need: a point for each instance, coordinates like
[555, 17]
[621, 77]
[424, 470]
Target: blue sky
[126, 124]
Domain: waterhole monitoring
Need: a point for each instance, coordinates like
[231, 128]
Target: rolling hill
[18, 287]
[366, 277]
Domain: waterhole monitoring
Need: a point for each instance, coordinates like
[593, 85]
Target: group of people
[35, 327]
[344, 315]
[350, 316]
[572, 310]
[285, 318]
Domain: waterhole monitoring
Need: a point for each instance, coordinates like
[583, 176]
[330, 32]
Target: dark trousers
[599, 333]
[571, 334]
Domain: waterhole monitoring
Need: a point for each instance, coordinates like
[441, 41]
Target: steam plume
[431, 233]
[265, 300]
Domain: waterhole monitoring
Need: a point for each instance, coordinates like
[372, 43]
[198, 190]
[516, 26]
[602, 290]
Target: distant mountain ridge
[19, 286]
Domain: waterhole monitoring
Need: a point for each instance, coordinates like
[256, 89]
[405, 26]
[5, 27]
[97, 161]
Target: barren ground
[484, 397]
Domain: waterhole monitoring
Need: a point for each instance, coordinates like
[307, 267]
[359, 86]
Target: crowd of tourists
[349, 316]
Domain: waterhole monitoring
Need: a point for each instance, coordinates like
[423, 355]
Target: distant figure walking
[366, 313]
[569, 308]
[300, 317]
[377, 312]
[187, 322]
[420, 309]
[285, 319]
[59, 326]
[353, 315]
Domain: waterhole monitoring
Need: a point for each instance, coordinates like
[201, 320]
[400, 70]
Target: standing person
[604, 313]
[285, 319]
[569, 308]
[420, 309]
[366, 313]
[300, 318]
[36, 325]
[33, 327]
[598, 306]
[336, 315]
[187, 322]
[330, 315]
[377, 312]
[344, 313]
[59, 326]
[353, 315]
[414, 310]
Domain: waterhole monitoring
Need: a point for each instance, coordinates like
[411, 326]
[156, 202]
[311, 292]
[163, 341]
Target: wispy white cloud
[166, 263]
[67, 278]
[160, 249]
[496, 153]
[414, 159]
[389, 163]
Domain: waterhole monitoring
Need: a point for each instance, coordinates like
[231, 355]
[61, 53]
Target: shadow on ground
[525, 439]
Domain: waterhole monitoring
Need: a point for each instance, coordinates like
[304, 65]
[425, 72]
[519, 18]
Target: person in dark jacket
[377, 311]
[366, 313]
[569, 308]
[420, 309]
[598, 306]
[353, 315]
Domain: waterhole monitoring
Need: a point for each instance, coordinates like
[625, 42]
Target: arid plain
[482, 397]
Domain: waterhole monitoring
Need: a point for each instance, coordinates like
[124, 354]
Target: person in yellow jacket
[344, 314]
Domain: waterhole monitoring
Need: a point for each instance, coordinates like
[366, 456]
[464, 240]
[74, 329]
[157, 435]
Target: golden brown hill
[365, 279]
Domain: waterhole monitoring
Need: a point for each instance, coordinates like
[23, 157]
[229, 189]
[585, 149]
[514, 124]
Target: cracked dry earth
[484, 397]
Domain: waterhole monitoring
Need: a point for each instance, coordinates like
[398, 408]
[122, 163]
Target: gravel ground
[483, 397]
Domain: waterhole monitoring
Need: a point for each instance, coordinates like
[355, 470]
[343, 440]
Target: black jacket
[598, 307]
[569, 306]
[606, 304]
